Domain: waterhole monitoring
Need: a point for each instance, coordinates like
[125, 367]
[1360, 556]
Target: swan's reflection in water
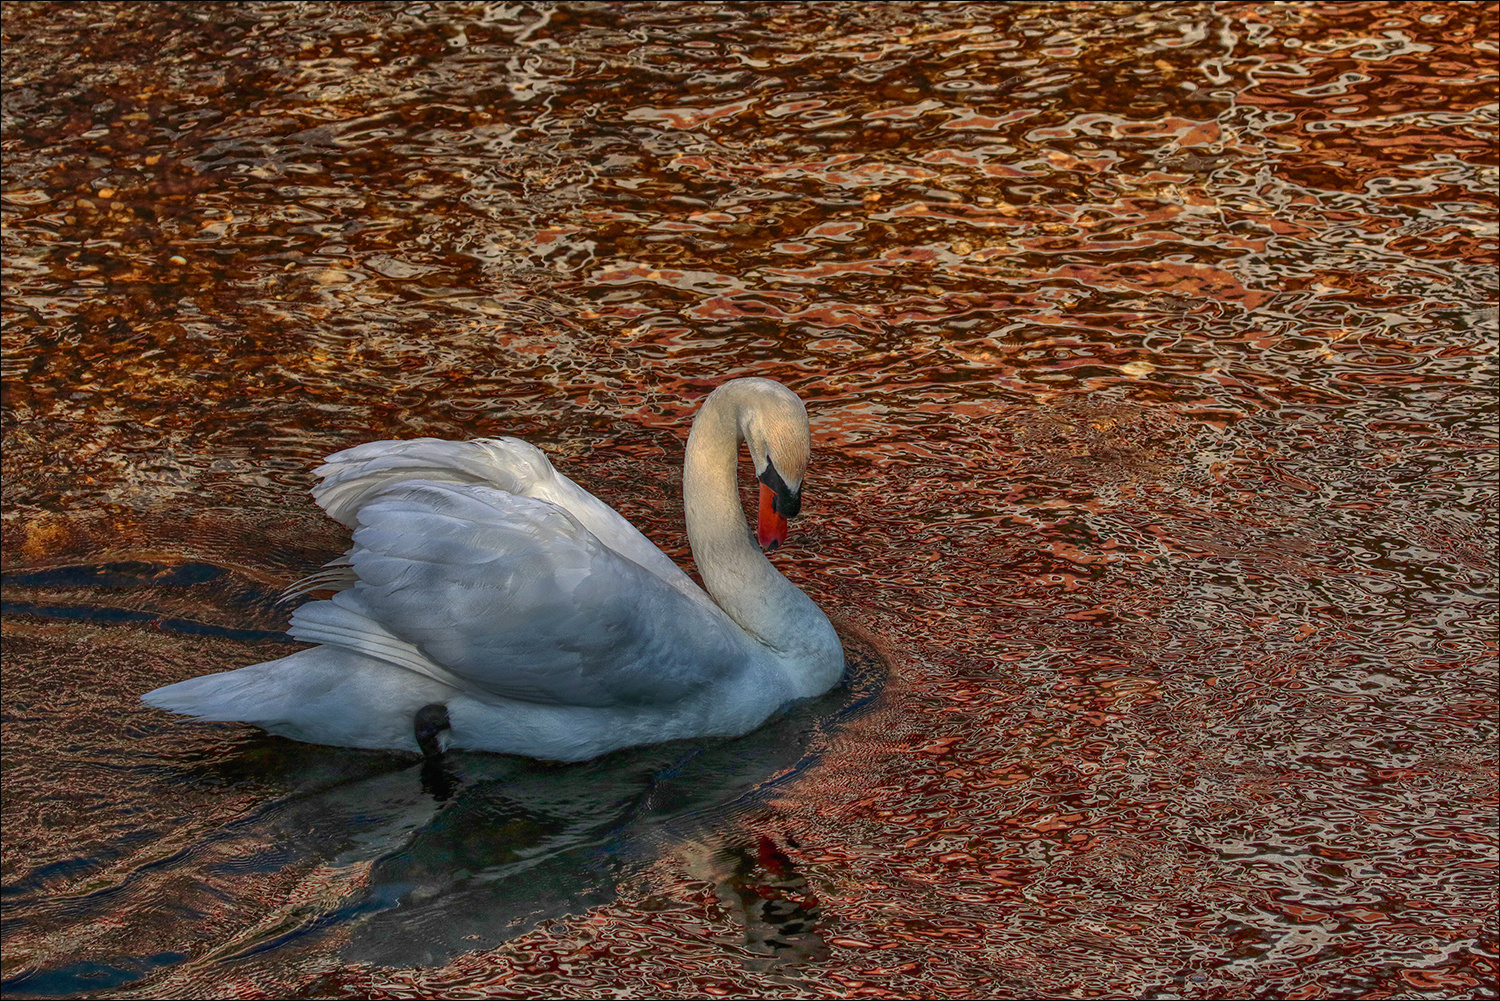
[498, 845]
[759, 886]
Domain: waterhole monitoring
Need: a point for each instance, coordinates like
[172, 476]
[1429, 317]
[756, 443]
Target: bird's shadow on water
[498, 845]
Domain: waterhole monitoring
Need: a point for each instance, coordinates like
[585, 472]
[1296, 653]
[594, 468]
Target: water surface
[1151, 355]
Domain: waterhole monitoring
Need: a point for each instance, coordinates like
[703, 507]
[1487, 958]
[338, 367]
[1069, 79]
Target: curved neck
[736, 573]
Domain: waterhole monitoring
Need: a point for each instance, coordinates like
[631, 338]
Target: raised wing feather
[349, 479]
[515, 597]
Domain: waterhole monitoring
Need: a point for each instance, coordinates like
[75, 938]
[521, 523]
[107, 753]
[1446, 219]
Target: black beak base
[784, 502]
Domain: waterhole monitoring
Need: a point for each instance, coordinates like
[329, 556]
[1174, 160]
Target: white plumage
[483, 580]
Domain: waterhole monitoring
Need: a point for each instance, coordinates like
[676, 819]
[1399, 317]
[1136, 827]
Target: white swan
[488, 594]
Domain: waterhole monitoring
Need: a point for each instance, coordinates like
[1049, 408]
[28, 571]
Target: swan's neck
[736, 573]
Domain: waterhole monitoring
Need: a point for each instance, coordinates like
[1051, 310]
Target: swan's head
[773, 423]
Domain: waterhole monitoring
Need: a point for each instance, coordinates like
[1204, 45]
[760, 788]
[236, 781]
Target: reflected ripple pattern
[1151, 355]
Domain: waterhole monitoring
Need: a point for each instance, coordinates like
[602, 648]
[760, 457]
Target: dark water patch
[85, 978]
[126, 574]
[122, 616]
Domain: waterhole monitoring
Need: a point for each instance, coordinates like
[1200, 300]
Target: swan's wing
[348, 479]
[513, 597]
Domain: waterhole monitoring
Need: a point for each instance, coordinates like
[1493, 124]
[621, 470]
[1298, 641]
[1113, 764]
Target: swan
[490, 603]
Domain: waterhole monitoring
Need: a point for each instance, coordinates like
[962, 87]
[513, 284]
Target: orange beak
[770, 529]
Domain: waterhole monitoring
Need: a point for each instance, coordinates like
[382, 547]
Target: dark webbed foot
[430, 721]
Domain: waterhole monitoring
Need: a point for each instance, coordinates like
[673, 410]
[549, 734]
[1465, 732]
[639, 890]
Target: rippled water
[1151, 354]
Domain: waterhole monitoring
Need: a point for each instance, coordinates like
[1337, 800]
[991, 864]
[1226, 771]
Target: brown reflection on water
[1150, 350]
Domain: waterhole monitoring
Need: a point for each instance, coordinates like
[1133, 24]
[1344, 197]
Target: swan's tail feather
[325, 695]
[240, 695]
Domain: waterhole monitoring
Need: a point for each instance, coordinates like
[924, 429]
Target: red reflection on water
[1152, 412]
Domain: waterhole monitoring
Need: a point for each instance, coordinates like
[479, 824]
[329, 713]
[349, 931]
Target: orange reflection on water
[1147, 350]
